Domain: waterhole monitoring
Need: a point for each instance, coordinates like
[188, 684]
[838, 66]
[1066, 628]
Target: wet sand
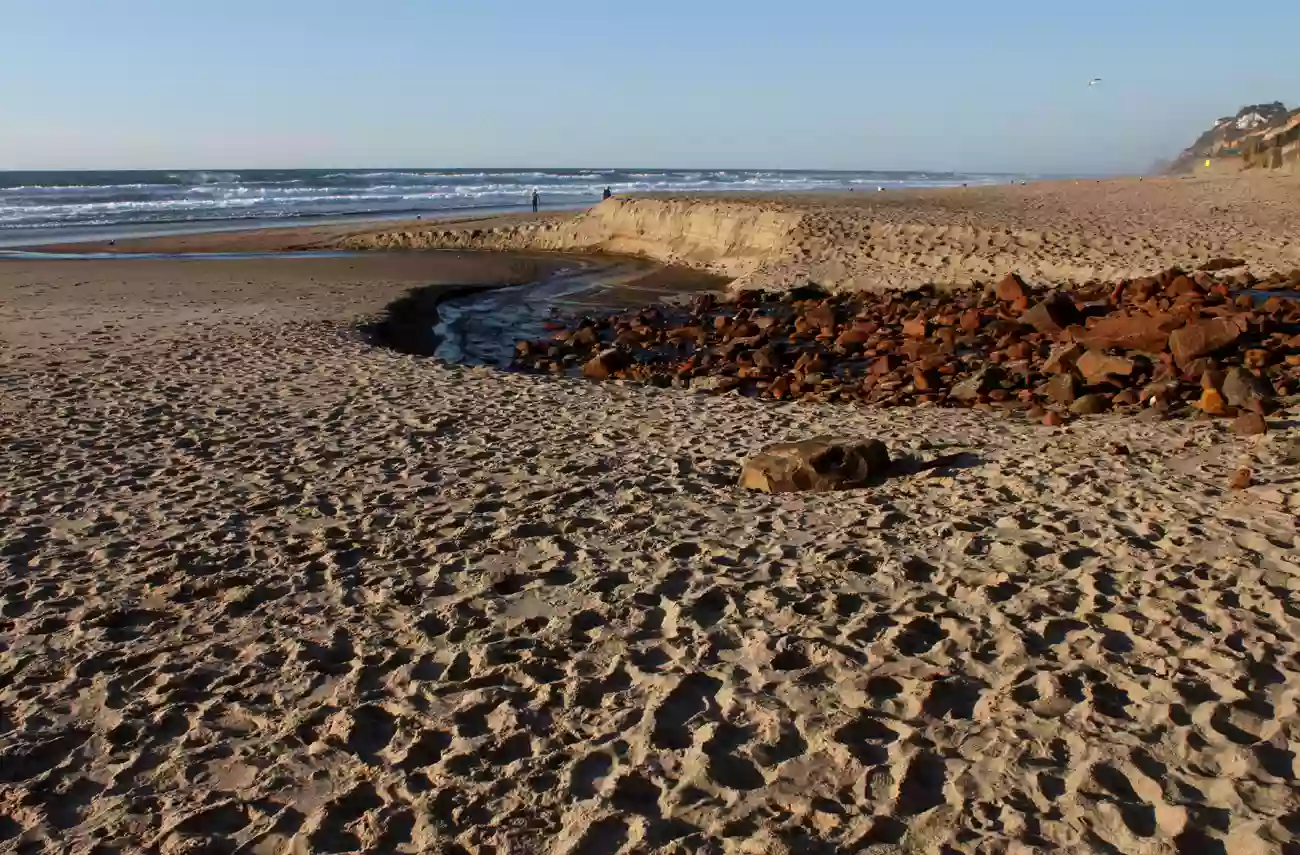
[270, 588]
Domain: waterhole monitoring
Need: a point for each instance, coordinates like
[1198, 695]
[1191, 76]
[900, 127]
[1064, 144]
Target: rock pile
[1225, 347]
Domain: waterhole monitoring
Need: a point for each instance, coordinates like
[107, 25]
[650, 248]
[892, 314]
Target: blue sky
[999, 85]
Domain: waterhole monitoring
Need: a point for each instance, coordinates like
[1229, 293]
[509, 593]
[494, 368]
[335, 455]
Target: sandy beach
[271, 588]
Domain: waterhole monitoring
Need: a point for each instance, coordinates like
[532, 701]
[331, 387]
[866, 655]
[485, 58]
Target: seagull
[1094, 81]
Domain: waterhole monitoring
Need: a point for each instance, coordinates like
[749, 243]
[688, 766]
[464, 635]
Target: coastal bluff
[1065, 232]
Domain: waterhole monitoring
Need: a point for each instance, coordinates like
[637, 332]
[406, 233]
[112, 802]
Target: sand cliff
[1070, 232]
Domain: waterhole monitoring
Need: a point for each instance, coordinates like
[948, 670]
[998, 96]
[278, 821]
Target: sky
[1000, 85]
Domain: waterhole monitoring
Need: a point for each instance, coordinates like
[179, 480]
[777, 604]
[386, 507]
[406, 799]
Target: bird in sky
[1094, 81]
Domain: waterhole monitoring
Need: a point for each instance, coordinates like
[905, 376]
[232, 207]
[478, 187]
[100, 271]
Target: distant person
[608, 193]
[537, 201]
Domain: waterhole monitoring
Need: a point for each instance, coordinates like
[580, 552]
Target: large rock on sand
[821, 463]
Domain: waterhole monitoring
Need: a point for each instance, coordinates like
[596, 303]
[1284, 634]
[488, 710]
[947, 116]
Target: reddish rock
[809, 363]
[947, 337]
[980, 383]
[925, 380]
[1062, 389]
[820, 316]
[971, 320]
[1019, 350]
[884, 364]
[1249, 423]
[1096, 366]
[1053, 419]
[1138, 331]
[604, 364]
[1125, 398]
[915, 328]
[1181, 286]
[1012, 288]
[1241, 479]
[851, 338]
[1052, 315]
[780, 386]
[1200, 338]
[1062, 358]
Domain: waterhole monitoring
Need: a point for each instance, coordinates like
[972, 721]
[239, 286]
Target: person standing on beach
[608, 193]
[537, 201]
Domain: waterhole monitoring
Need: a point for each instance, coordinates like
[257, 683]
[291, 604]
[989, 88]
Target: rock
[1051, 315]
[925, 379]
[766, 358]
[1062, 358]
[981, 382]
[1090, 405]
[915, 328]
[852, 337]
[820, 316]
[1212, 404]
[1141, 332]
[1053, 419]
[1125, 398]
[1249, 423]
[971, 320]
[604, 364]
[1158, 391]
[1243, 389]
[1201, 338]
[1096, 366]
[1257, 357]
[1063, 389]
[1012, 288]
[1221, 264]
[821, 463]
[585, 337]
[947, 337]
[1241, 479]
[713, 383]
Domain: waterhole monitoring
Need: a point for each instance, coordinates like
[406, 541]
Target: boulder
[1242, 389]
[1090, 405]
[1062, 389]
[1201, 338]
[1138, 331]
[604, 364]
[1012, 288]
[1096, 366]
[1052, 315]
[1241, 479]
[1212, 404]
[1062, 358]
[818, 464]
[971, 320]
[915, 328]
[820, 316]
[1249, 424]
[980, 383]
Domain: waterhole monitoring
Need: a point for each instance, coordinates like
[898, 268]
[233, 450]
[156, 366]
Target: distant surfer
[608, 193]
[537, 201]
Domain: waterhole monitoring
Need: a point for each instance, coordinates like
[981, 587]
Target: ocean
[66, 203]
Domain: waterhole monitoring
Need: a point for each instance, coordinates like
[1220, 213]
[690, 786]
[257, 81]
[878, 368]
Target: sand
[1057, 232]
[268, 588]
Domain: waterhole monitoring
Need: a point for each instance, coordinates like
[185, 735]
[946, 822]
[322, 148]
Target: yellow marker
[1207, 162]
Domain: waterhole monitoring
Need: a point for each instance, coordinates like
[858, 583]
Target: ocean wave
[121, 198]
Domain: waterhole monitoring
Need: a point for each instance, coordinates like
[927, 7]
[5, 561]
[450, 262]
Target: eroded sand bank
[1062, 232]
